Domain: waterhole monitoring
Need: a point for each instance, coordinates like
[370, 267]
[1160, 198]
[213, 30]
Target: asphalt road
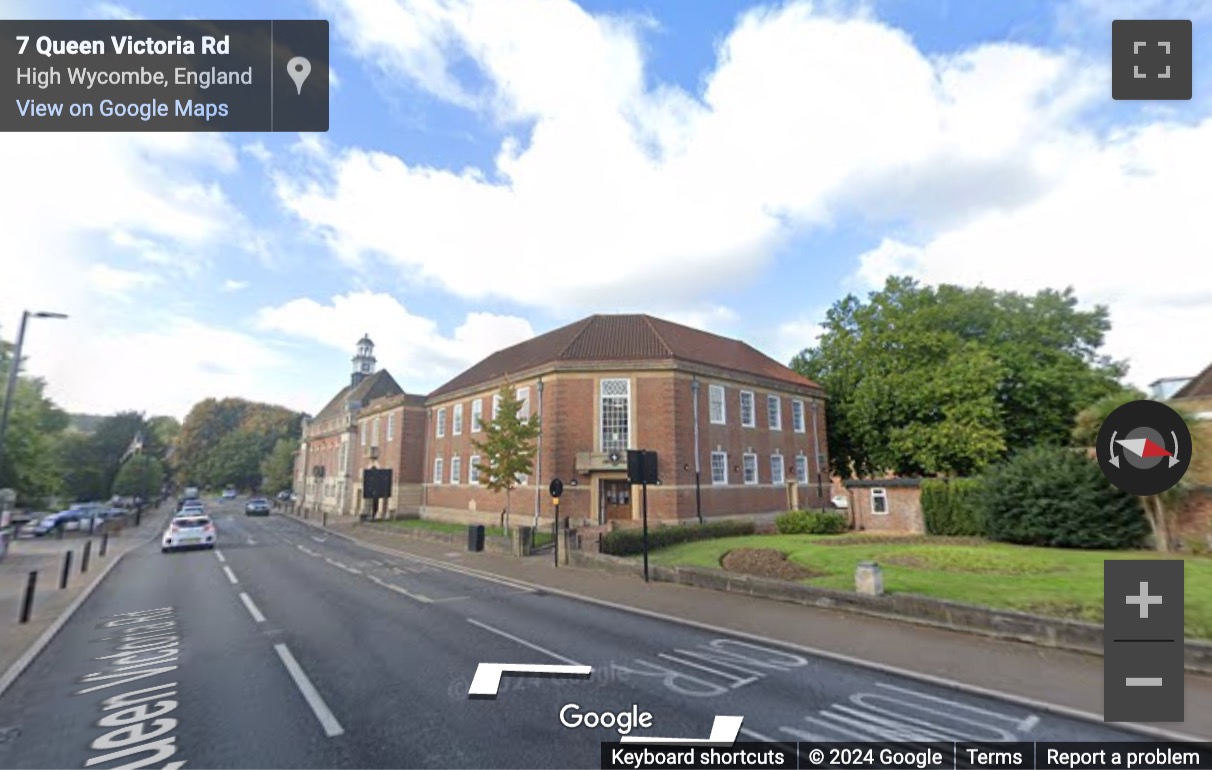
[286, 648]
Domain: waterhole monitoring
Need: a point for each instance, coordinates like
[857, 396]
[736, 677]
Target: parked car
[68, 520]
[284, 496]
[229, 494]
[188, 532]
[257, 507]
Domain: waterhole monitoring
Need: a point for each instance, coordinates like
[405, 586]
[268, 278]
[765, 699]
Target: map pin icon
[298, 68]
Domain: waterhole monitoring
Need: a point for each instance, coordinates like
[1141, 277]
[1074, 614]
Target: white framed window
[719, 467]
[801, 469]
[614, 414]
[456, 469]
[715, 400]
[523, 395]
[473, 469]
[477, 415]
[374, 433]
[748, 412]
[365, 431]
[441, 421]
[749, 465]
[776, 469]
[496, 406]
[774, 412]
[879, 500]
[437, 470]
[344, 457]
[456, 429]
[391, 427]
[797, 416]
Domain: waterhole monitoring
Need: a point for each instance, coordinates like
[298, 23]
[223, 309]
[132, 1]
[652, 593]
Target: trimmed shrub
[812, 523]
[949, 507]
[629, 542]
[1053, 496]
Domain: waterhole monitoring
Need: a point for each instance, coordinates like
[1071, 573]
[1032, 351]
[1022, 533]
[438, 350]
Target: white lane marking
[399, 590]
[306, 550]
[252, 608]
[754, 734]
[487, 680]
[523, 642]
[517, 585]
[724, 730]
[319, 539]
[251, 541]
[219, 555]
[332, 728]
[231, 575]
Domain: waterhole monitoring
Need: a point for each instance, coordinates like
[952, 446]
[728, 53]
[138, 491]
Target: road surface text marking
[723, 733]
[487, 680]
[695, 671]
[252, 608]
[138, 730]
[231, 575]
[525, 643]
[332, 728]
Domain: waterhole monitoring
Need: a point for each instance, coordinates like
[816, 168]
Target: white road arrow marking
[488, 676]
[723, 733]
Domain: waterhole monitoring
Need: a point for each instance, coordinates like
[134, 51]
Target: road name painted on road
[138, 732]
[713, 668]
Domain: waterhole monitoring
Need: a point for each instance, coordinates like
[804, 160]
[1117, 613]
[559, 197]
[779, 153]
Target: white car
[189, 532]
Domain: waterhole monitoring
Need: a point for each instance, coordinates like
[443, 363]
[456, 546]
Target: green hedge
[812, 523]
[950, 507]
[629, 542]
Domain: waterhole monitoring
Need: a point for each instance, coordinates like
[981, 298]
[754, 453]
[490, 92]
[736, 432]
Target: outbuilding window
[879, 500]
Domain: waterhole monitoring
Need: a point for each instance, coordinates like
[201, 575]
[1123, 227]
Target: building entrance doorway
[615, 497]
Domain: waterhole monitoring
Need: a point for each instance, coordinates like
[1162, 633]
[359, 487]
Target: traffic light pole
[644, 503]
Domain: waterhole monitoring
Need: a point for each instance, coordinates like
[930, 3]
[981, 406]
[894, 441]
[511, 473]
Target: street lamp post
[14, 367]
[698, 491]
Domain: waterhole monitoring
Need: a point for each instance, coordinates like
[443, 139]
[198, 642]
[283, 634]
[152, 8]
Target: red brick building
[736, 432]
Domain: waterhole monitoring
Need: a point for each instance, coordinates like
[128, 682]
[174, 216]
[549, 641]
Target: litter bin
[475, 537]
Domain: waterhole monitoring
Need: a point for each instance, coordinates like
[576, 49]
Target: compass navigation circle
[1144, 447]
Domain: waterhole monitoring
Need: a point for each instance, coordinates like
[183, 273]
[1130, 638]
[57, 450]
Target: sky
[496, 170]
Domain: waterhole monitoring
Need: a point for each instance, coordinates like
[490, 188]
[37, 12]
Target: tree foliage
[224, 442]
[1057, 496]
[946, 380]
[1089, 420]
[278, 470]
[140, 476]
[29, 463]
[507, 450]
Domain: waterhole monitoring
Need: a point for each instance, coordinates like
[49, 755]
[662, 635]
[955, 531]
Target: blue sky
[494, 171]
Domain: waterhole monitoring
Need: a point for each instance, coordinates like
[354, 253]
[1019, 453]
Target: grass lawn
[444, 526]
[1046, 581]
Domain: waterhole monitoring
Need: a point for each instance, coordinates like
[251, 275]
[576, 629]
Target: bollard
[104, 543]
[138, 516]
[88, 547]
[27, 604]
[869, 579]
[67, 569]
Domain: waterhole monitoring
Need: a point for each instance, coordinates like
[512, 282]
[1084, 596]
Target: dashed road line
[231, 575]
[306, 550]
[402, 591]
[332, 728]
[219, 555]
[523, 642]
[251, 541]
[252, 608]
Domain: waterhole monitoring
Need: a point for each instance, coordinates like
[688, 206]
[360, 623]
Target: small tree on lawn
[507, 450]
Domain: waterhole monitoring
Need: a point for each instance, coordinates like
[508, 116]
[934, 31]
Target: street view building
[736, 432]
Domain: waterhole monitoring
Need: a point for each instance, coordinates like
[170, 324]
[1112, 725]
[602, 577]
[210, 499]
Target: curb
[35, 649]
[1044, 706]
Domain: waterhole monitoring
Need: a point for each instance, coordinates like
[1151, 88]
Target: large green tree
[945, 380]
[278, 470]
[29, 464]
[224, 441]
[140, 476]
[507, 450]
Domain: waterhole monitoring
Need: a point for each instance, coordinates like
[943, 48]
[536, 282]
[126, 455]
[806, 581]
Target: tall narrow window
[456, 469]
[496, 406]
[391, 427]
[473, 469]
[523, 395]
[615, 415]
[750, 466]
[748, 418]
[457, 428]
[774, 412]
[437, 470]
[719, 468]
[797, 416]
[374, 434]
[879, 500]
[715, 397]
[477, 415]
[441, 420]
[776, 469]
[801, 469]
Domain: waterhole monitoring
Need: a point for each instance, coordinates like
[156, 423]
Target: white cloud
[1123, 226]
[622, 188]
[334, 82]
[233, 285]
[115, 282]
[411, 347]
[790, 338]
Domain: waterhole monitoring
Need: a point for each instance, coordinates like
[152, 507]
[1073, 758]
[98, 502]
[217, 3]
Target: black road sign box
[376, 483]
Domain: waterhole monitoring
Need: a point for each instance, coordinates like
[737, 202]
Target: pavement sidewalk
[1053, 680]
[20, 642]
